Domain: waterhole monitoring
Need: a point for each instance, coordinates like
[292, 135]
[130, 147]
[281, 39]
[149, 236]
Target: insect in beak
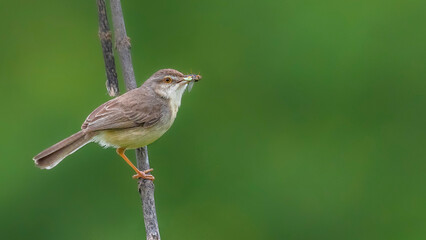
[190, 79]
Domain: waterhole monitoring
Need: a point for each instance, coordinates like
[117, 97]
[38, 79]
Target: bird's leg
[139, 174]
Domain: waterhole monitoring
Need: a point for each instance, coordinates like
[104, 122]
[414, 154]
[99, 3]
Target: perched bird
[132, 120]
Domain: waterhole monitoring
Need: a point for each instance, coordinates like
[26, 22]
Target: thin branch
[145, 187]
[146, 190]
[122, 43]
[105, 37]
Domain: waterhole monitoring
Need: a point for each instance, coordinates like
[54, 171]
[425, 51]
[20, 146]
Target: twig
[105, 37]
[146, 190]
[122, 43]
[146, 187]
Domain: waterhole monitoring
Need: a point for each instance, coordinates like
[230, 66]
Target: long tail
[50, 157]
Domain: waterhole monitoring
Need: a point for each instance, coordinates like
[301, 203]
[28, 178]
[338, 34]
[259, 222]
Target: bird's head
[170, 83]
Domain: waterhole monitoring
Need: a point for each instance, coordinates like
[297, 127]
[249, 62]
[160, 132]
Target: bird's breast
[173, 111]
[130, 138]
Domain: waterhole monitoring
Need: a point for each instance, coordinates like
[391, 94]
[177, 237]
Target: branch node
[123, 43]
[105, 36]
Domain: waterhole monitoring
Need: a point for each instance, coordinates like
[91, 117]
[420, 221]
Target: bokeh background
[309, 122]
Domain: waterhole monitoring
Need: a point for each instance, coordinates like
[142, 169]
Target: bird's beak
[186, 79]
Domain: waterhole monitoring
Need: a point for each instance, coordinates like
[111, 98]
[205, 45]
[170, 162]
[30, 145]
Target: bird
[133, 120]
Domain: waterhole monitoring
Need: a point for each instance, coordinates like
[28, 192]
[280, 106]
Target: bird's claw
[144, 175]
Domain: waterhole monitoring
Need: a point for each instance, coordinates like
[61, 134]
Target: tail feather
[50, 157]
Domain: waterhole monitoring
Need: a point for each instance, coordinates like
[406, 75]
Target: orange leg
[139, 174]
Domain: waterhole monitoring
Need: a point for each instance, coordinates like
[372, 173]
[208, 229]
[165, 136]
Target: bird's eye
[167, 80]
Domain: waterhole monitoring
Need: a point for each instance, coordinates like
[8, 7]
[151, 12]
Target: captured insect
[195, 78]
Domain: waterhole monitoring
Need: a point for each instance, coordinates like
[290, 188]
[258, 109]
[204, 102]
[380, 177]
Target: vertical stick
[146, 190]
[105, 37]
[122, 43]
[145, 187]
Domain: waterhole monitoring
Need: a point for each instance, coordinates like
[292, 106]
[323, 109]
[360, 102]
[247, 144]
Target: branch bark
[122, 43]
[105, 37]
[145, 187]
[146, 190]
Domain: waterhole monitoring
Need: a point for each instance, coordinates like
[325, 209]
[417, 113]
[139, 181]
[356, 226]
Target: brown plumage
[132, 120]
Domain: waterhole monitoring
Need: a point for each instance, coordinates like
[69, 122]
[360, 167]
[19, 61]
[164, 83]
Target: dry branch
[122, 42]
[105, 37]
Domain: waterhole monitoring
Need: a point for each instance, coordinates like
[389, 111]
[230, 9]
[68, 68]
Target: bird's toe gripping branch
[139, 174]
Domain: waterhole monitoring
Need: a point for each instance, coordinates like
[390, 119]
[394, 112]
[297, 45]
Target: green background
[309, 122]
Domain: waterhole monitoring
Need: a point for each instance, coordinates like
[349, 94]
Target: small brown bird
[132, 120]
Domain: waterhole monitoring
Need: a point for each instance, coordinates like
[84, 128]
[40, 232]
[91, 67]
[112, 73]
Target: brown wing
[132, 109]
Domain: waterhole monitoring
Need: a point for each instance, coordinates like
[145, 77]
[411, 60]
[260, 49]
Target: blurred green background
[309, 122]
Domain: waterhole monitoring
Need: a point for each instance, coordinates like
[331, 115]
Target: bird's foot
[144, 175]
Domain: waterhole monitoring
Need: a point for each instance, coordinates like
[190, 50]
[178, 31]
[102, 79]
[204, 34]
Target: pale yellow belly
[129, 138]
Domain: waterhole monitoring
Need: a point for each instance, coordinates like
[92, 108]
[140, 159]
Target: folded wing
[124, 112]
